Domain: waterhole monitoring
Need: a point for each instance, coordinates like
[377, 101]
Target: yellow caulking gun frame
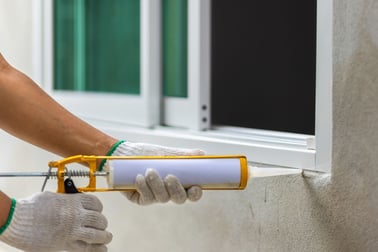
[92, 161]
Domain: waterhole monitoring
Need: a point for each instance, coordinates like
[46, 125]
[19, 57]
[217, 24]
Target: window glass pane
[263, 64]
[174, 35]
[97, 45]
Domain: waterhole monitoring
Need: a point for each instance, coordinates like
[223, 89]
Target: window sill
[263, 149]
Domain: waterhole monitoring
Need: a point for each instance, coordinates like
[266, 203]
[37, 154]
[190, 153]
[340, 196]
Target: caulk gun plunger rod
[49, 174]
[24, 174]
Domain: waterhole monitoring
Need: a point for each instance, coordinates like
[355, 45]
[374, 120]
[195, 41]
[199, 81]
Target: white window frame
[197, 104]
[263, 148]
[141, 110]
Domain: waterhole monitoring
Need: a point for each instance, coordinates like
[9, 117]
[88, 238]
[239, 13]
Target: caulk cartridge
[209, 172]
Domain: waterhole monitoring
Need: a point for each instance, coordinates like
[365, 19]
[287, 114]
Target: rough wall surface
[353, 192]
[308, 212]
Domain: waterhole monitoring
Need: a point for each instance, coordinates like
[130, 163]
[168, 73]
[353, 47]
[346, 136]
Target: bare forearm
[27, 112]
[5, 205]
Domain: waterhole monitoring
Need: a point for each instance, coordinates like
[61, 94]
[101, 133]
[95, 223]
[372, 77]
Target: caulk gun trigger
[69, 186]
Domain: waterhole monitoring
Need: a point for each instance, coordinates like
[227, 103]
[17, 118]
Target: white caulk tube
[208, 172]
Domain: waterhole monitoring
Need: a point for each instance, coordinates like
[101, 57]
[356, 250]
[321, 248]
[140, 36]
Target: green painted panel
[175, 47]
[64, 45]
[97, 45]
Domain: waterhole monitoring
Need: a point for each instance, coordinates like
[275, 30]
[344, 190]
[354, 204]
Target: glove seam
[110, 153]
[10, 217]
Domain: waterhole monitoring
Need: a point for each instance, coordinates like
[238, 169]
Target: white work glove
[54, 222]
[150, 187]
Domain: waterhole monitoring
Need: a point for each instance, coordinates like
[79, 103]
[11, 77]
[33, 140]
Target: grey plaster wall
[338, 212]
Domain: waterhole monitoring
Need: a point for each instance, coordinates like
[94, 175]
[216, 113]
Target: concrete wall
[309, 212]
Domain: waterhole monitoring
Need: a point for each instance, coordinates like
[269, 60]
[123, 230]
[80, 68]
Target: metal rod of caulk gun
[49, 174]
[24, 174]
[46, 174]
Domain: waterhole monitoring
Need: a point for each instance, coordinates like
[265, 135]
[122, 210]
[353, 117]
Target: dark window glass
[263, 64]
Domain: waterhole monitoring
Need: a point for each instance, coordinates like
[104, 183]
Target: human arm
[30, 114]
[27, 112]
[5, 203]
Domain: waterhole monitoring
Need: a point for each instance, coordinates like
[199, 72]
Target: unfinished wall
[288, 213]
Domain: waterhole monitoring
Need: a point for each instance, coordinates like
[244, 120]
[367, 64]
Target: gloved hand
[150, 188]
[54, 222]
